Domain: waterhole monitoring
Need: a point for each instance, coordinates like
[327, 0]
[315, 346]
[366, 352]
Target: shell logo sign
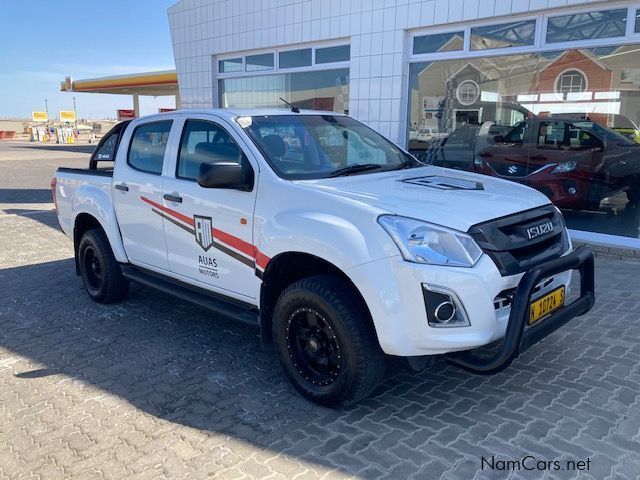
[67, 116]
[39, 116]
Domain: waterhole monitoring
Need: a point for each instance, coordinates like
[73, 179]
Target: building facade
[534, 91]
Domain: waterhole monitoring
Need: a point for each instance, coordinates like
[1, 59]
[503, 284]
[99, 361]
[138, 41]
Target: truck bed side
[87, 193]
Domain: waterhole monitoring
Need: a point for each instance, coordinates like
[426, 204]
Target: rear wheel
[322, 335]
[100, 271]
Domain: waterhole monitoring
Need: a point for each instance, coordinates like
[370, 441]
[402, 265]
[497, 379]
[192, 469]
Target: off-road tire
[100, 272]
[362, 362]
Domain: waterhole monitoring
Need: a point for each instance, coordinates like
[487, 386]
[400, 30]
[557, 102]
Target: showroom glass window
[313, 77]
[315, 90]
[583, 26]
[504, 35]
[564, 122]
[442, 42]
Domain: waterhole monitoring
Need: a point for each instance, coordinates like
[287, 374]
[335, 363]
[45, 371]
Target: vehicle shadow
[25, 195]
[175, 361]
[178, 362]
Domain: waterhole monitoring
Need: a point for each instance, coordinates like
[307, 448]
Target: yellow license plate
[545, 305]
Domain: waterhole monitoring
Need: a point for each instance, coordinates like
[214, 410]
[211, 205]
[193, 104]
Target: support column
[178, 102]
[136, 106]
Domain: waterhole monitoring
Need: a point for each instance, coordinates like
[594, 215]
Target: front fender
[97, 202]
[336, 239]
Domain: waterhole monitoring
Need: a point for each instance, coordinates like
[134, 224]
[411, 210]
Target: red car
[576, 163]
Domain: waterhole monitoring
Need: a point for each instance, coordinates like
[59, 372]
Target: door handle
[172, 198]
[122, 187]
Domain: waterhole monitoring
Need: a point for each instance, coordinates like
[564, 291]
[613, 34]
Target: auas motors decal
[207, 266]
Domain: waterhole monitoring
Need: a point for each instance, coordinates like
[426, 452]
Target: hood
[446, 197]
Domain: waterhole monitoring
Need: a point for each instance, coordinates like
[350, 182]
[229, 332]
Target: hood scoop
[444, 183]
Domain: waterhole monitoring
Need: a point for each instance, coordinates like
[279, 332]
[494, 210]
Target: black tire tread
[370, 360]
[116, 286]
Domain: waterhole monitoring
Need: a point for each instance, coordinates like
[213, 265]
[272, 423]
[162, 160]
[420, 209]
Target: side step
[229, 307]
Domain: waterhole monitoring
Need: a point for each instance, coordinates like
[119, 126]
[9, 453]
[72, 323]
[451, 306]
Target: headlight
[422, 242]
[563, 225]
[565, 167]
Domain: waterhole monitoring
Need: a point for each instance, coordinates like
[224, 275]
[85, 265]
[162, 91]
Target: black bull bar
[517, 340]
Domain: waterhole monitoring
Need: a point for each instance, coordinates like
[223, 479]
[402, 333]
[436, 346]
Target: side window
[106, 152]
[148, 143]
[517, 134]
[204, 142]
[580, 139]
[551, 135]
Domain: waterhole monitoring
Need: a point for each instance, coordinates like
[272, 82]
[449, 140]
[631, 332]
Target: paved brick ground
[158, 388]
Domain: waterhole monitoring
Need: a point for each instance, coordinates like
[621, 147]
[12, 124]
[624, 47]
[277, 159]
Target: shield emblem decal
[203, 231]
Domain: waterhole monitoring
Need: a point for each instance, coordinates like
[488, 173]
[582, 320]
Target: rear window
[148, 143]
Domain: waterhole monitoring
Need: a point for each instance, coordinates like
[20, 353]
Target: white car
[336, 243]
[428, 134]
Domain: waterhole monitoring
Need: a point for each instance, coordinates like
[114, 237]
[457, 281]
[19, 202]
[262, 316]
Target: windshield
[302, 147]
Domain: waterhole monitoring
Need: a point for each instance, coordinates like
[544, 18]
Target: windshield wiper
[360, 167]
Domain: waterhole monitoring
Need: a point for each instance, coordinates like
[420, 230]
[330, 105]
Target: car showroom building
[542, 92]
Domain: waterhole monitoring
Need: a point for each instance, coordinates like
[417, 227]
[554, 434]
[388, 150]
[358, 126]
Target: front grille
[514, 170]
[508, 244]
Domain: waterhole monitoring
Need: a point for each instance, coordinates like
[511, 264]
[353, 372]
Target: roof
[163, 82]
[232, 113]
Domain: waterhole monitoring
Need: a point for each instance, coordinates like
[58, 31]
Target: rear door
[137, 192]
[209, 231]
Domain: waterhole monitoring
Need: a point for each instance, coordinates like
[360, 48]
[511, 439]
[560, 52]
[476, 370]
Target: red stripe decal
[173, 213]
[260, 258]
[234, 242]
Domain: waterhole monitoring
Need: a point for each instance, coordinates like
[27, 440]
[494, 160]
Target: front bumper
[392, 289]
[517, 339]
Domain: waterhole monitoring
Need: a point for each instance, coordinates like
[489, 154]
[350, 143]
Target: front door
[508, 158]
[209, 231]
[137, 191]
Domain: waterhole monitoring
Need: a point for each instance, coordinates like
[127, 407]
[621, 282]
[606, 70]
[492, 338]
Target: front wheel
[100, 271]
[324, 341]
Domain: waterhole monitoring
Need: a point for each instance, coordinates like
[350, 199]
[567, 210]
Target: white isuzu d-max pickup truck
[339, 245]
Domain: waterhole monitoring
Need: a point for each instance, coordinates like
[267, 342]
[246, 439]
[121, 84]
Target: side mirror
[498, 139]
[222, 175]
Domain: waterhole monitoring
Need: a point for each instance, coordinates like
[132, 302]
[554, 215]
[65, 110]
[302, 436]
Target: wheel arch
[289, 267]
[85, 221]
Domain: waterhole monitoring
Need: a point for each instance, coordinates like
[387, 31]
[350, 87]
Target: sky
[42, 42]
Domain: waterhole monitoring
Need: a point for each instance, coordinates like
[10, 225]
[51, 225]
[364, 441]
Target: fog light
[445, 312]
[443, 307]
[572, 191]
